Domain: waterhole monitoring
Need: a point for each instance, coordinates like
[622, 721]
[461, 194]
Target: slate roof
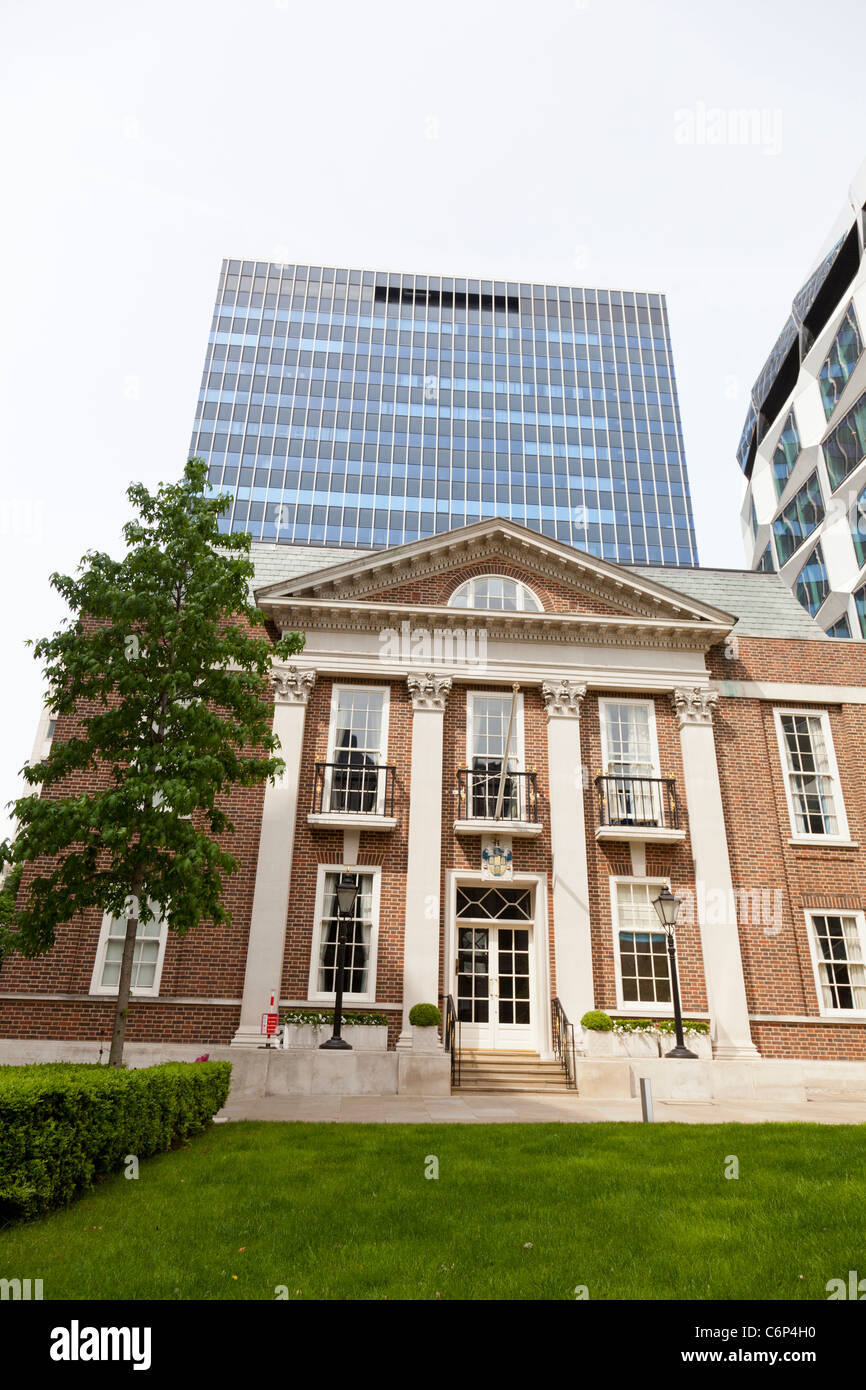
[762, 603]
[275, 562]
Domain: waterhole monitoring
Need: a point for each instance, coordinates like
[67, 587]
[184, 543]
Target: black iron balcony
[361, 788]
[638, 802]
[478, 791]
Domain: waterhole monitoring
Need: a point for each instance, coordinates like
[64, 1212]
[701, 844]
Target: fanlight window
[495, 591]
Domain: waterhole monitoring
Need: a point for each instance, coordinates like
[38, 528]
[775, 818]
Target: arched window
[495, 591]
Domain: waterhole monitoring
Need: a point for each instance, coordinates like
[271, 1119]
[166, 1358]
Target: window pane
[841, 970]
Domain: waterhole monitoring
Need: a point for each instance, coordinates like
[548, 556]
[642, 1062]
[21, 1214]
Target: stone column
[423, 883]
[716, 908]
[267, 938]
[571, 925]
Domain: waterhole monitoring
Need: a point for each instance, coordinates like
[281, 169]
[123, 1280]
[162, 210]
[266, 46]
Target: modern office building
[362, 409]
[803, 448]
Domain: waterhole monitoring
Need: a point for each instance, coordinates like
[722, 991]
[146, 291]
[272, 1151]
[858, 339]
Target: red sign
[269, 1024]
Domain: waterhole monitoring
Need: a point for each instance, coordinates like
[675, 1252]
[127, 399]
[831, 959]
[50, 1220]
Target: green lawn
[517, 1212]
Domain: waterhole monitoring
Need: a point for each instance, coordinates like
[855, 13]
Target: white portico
[624, 633]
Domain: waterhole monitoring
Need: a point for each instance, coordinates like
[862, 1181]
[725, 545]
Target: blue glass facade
[365, 408]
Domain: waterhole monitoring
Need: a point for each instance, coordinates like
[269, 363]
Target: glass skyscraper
[803, 447]
[362, 408]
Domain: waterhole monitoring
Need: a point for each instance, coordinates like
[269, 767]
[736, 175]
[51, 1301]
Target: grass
[517, 1212]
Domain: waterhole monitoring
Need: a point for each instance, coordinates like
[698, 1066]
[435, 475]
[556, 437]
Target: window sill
[519, 828]
[651, 834]
[821, 842]
[347, 820]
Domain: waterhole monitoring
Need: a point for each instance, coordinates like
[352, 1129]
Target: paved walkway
[510, 1108]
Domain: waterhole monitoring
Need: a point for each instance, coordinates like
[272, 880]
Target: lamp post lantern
[347, 893]
[667, 908]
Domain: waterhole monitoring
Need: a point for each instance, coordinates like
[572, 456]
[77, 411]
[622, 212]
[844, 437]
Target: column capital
[563, 697]
[428, 691]
[291, 685]
[694, 704]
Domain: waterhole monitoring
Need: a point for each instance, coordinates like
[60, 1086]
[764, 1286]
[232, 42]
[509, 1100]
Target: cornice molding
[345, 615]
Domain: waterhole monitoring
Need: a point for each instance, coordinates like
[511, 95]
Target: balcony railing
[478, 794]
[359, 789]
[638, 801]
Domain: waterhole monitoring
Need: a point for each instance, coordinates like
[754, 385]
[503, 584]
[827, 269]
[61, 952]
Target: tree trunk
[121, 1007]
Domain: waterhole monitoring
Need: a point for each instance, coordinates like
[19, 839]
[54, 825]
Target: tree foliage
[163, 665]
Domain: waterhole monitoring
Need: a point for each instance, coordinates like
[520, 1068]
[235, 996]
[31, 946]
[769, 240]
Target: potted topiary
[425, 1021]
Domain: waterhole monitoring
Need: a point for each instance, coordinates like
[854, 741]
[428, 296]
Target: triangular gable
[604, 587]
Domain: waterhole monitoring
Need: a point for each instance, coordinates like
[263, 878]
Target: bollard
[646, 1099]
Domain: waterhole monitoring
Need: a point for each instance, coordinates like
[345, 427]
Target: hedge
[63, 1125]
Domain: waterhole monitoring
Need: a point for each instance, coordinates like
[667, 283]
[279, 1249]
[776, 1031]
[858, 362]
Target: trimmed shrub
[597, 1021]
[326, 1020]
[63, 1125]
[690, 1025]
[425, 1016]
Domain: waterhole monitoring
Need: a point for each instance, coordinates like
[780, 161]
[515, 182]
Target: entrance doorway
[495, 967]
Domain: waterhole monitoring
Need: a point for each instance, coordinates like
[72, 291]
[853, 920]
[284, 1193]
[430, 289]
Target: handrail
[478, 794]
[563, 1043]
[452, 1037]
[636, 801]
[354, 788]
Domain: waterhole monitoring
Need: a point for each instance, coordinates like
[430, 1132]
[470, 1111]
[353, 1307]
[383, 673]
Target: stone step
[468, 1069]
[491, 1070]
[505, 1084]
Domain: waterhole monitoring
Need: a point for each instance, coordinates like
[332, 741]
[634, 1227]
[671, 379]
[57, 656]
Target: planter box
[652, 1044]
[363, 1037]
[598, 1044]
[699, 1043]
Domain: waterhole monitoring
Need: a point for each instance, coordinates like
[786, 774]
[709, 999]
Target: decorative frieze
[291, 685]
[428, 691]
[563, 697]
[695, 705]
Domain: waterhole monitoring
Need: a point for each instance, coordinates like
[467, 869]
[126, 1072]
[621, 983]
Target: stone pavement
[480, 1108]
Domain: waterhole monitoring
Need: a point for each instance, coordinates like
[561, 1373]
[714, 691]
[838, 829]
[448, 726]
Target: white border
[110, 991]
[806, 837]
[375, 872]
[859, 918]
[634, 1007]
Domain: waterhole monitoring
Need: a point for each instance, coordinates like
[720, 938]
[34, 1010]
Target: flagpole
[498, 812]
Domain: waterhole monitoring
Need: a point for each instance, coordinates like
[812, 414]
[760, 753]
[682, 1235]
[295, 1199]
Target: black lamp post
[668, 907]
[347, 892]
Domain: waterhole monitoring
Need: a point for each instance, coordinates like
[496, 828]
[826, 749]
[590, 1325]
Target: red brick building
[664, 726]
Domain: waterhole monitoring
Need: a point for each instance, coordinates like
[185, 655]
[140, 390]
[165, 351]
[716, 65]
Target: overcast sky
[572, 141]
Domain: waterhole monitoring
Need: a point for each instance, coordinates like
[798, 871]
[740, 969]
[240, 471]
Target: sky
[591, 142]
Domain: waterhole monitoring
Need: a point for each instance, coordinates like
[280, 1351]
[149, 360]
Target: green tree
[8, 896]
[164, 664]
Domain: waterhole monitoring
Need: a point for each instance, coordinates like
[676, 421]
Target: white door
[496, 1003]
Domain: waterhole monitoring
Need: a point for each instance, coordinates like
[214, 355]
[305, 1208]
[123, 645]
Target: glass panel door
[495, 987]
